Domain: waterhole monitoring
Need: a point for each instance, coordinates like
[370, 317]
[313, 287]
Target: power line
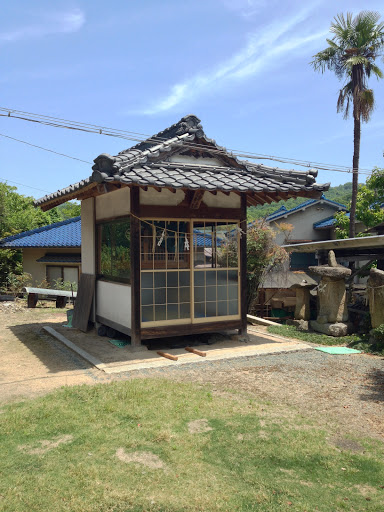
[140, 137]
[44, 149]
[23, 185]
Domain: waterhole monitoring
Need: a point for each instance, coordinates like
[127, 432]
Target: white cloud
[279, 40]
[246, 8]
[51, 23]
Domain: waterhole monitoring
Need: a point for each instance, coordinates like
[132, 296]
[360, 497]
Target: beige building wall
[163, 198]
[113, 204]
[88, 236]
[38, 270]
[303, 221]
[168, 198]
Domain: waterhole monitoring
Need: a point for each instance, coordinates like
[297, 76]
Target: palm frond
[324, 59]
[376, 71]
[366, 104]
[344, 100]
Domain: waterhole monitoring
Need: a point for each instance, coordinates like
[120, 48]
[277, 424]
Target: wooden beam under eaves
[260, 198]
[252, 201]
[196, 199]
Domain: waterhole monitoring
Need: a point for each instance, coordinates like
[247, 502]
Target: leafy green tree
[351, 54]
[69, 210]
[18, 214]
[369, 205]
[341, 194]
[263, 254]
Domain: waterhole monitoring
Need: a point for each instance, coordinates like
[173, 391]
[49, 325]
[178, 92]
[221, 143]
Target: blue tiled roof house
[50, 252]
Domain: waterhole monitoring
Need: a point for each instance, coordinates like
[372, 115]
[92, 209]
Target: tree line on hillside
[341, 194]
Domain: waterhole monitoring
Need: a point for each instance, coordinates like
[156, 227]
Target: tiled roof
[281, 213]
[66, 233]
[60, 258]
[201, 239]
[148, 164]
[326, 223]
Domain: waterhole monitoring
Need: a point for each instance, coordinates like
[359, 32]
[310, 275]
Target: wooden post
[32, 300]
[243, 265]
[135, 269]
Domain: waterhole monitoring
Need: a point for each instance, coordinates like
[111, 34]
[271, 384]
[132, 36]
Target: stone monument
[332, 316]
[375, 288]
[302, 308]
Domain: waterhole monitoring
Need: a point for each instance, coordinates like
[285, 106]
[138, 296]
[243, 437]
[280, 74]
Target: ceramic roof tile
[148, 163]
[281, 213]
[61, 234]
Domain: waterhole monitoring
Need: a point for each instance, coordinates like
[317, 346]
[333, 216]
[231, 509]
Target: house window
[56, 273]
[302, 260]
[114, 262]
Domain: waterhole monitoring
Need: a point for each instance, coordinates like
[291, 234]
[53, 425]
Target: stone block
[301, 325]
[335, 329]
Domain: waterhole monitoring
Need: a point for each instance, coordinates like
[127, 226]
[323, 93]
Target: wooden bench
[61, 296]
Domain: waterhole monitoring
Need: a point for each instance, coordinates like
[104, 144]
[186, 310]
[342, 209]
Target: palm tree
[351, 54]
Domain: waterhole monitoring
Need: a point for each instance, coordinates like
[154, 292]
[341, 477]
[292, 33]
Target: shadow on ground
[374, 386]
[53, 355]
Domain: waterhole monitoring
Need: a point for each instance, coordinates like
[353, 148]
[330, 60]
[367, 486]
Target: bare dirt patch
[147, 459]
[366, 490]
[45, 445]
[199, 426]
[347, 444]
[32, 363]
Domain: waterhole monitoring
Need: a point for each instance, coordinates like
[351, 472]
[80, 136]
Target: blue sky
[242, 66]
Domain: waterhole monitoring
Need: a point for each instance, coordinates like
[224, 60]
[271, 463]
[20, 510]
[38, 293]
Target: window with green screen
[114, 250]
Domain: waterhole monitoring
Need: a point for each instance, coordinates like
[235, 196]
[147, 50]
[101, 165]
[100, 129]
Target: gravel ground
[344, 391]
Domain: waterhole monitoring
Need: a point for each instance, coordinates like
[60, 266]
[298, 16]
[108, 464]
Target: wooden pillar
[243, 265]
[135, 269]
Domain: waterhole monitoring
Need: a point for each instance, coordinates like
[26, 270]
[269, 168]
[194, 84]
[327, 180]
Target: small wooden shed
[164, 231]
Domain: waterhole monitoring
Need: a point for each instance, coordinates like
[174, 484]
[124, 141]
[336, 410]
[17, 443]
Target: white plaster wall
[221, 200]
[88, 262]
[185, 159]
[113, 302]
[168, 198]
[113, 204]
[163, 198]
[303, 221]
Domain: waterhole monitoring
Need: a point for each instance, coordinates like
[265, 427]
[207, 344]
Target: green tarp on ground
[338, 350]
[119, 343]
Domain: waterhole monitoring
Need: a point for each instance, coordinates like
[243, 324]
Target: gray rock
[334, 273]
[301, 325]
[335, 329]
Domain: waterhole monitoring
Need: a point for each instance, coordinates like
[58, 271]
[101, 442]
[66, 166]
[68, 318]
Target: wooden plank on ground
[83, 303]
[168, 356]
[195, 351]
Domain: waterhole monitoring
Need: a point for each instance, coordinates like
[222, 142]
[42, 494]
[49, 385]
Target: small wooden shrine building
[164, 231]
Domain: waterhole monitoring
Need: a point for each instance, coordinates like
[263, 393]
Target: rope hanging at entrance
[166, 230]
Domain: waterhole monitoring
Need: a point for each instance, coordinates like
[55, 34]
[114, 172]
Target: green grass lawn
[359, 342]
[127, 446]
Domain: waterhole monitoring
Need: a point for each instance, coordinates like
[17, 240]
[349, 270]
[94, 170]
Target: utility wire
[23, 185]
[45, 149]
[140, 137]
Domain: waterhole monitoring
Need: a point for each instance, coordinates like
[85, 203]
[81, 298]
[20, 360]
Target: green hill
[341, 194]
